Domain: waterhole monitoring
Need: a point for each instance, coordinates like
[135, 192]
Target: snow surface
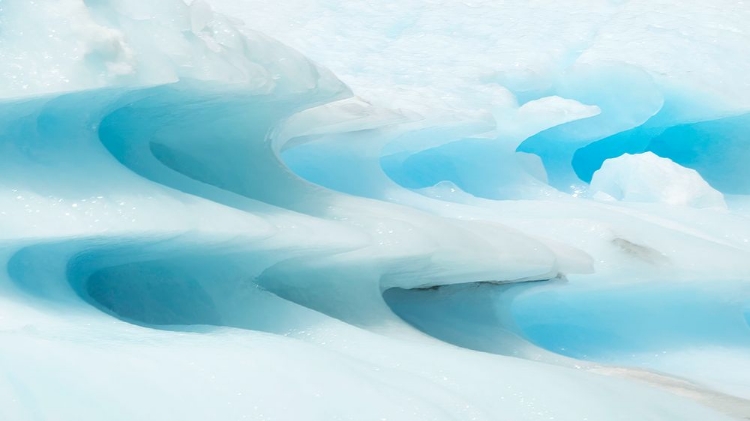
[200, 222]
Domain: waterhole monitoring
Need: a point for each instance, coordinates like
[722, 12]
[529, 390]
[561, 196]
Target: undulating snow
[386, 217]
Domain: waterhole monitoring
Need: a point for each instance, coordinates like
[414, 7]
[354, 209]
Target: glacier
[374, 210]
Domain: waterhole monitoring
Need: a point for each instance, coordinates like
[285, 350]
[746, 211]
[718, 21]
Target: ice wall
[198, 221]
[648, 66]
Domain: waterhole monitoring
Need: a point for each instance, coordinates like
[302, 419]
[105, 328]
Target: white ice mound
[88, 45]
[647, 177]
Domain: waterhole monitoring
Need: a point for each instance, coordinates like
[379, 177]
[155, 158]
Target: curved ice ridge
[161, 168]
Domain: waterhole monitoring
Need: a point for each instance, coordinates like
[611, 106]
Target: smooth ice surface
[200, 222]
[655, 330]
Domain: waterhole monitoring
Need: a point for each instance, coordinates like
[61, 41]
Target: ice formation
[200, 222]
[649, 178]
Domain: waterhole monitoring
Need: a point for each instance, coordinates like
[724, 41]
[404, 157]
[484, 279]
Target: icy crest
[71, 45]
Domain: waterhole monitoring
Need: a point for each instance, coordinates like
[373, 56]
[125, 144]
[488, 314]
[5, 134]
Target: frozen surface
[649, 178]
[200, 222]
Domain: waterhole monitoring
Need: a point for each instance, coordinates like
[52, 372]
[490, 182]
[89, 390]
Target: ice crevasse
[200, 222]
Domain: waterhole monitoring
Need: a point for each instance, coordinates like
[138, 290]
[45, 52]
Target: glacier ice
[649, 178]
[200, 222]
